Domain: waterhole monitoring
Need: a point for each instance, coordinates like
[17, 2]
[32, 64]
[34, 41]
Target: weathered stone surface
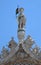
[22, 53]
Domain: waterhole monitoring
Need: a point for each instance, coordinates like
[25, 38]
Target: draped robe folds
[21, 21]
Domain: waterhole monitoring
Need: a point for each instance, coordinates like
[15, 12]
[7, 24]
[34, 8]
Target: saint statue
[20, 17]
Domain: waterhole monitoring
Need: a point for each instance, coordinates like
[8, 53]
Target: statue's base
[21, 34]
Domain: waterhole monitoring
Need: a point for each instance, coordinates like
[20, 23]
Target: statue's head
[21, 10]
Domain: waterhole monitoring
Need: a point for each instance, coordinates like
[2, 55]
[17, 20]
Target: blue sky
[8, 22]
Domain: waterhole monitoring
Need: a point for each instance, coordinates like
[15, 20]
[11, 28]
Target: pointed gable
[12, 43]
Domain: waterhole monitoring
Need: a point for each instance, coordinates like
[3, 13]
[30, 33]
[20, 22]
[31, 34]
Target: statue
[21, 23]
[20, 17]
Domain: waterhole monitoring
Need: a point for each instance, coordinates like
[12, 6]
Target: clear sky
[8, 22]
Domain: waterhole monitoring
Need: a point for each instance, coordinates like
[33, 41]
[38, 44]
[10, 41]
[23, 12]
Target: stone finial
[36, 50]
[12, 43]
[29, 42]
[5, 52]
[21, 24]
